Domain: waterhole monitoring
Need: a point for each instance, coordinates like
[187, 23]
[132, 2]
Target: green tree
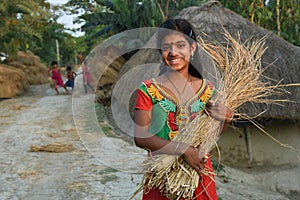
[114, 16]
[103, 18]
[32, 25]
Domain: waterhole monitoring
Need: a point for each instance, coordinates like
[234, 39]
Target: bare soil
[39, 118]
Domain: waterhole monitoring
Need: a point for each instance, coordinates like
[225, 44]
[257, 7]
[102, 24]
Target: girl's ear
[193, 46]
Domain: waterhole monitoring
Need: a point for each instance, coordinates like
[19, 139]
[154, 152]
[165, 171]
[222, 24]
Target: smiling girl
[165, 104]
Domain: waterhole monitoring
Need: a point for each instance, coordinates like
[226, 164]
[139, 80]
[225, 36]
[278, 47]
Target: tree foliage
[32, 25]
[104, 18]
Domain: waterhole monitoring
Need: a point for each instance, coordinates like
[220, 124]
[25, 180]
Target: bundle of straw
[240, 65]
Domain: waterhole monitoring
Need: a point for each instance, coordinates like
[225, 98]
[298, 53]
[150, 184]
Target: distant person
[71, 75]
[56, 77]
[87, 77]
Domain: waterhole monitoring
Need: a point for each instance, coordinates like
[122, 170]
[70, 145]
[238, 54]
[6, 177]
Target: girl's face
[176, 51]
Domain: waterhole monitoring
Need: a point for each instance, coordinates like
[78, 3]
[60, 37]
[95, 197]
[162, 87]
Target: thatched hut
[281, 61]
[247, 144]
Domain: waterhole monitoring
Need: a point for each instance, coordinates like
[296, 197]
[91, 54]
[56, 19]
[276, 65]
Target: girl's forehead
[173, 37]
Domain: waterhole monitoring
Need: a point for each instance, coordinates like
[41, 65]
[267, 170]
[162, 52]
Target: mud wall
[248, 146]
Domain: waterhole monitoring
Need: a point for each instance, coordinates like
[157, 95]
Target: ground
[74, 171]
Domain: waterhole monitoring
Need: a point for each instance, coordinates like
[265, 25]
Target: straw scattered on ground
[53, 148]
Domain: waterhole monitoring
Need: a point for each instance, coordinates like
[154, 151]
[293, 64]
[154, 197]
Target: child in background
[56, 77]
[87, 77]
[71, 77]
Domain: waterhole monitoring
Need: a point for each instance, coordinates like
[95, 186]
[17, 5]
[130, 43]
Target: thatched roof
[210, 21]
[284, 57]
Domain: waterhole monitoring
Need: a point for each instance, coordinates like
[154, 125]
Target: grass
[108, 178]
[107, 170]
[100, 112]
[101, 116]
[107, 175]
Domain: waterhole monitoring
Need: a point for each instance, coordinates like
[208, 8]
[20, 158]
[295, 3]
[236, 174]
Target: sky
[67, 20]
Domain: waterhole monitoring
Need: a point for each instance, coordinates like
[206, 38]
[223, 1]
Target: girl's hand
[219, 111]
[194, 158]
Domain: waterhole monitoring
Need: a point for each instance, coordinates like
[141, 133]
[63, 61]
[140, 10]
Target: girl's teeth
[175, 60]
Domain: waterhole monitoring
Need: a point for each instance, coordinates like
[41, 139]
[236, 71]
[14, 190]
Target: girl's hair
[184, 27]
[54, 63]
[69, 68]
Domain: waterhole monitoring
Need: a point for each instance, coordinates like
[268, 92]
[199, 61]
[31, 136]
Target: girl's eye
[178, 45]
[181, 45]
[166, 47]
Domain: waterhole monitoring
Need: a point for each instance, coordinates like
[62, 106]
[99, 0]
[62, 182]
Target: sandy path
[40, 118]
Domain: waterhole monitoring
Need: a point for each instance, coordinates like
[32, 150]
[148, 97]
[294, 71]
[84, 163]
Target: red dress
[206, 189]
[56, 77]
[87, 76]
[170, 117]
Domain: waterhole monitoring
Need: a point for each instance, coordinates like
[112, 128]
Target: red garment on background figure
[87, 77]
[56, 77]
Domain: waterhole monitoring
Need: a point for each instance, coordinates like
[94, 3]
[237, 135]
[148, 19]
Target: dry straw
[56, 147]
[241, 82]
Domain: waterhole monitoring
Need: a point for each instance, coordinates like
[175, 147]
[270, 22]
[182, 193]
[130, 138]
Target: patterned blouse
[168, 116]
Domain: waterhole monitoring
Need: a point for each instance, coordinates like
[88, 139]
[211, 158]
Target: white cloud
[66, 19]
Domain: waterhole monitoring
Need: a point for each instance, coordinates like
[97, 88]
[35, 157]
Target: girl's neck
[177, 74]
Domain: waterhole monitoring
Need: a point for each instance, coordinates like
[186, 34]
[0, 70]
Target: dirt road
[40, 118]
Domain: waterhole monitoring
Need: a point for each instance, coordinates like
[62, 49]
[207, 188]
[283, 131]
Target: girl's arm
[74, 74]
[156, 145]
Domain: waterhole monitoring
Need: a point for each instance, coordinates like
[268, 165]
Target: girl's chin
[176, 67]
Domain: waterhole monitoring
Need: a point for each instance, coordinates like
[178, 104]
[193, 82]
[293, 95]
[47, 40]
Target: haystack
[16, 76]
[31, 65]
[12, 81]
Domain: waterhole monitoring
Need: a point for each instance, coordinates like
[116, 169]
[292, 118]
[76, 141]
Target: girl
[87, 77]
[56, 77]
[167, 103]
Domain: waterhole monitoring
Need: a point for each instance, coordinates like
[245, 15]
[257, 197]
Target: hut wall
[248, 146]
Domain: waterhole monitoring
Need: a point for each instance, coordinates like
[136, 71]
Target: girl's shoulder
[147, 82]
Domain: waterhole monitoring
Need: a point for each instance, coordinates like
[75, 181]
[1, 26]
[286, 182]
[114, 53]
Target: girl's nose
[173, 51]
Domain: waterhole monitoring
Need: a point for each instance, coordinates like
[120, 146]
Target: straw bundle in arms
[240, 66]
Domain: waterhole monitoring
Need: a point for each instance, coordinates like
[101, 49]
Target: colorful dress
[56, 77]
[168, 116]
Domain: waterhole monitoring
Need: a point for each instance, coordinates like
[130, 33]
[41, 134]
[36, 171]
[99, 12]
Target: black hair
[69, 68]
[183, 26]
[54, 63]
